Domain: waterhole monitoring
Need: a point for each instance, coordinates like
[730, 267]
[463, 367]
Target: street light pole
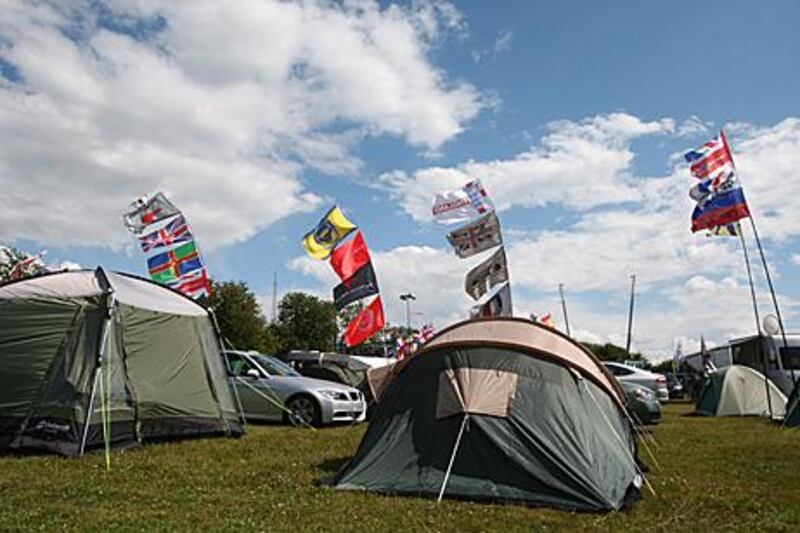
[407, 297]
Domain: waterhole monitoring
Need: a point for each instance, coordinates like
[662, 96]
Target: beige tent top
[130, 290]
[516, 333]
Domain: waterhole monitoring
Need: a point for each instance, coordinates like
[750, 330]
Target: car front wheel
[303, 411]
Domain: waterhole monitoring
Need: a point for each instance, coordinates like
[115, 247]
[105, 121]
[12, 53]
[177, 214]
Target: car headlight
[643, 394]
[334, 394]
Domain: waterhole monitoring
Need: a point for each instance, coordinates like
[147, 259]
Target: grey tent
[499, 409]
[792, 418]
[80, 347]
[738, 390]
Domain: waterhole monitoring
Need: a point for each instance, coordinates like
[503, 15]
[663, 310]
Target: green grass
[715, 474]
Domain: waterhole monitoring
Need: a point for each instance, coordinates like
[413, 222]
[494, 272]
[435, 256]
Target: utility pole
[630, 316]
[274, 297]
[564, 307]
[407, 297]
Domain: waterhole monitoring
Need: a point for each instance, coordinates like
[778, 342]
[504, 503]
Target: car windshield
[275, 367]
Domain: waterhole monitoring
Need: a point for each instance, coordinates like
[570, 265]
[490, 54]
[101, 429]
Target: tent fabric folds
[738, 390]
[539, 427]
[74, 344]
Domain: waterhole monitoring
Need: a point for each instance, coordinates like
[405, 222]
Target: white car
[630, 374]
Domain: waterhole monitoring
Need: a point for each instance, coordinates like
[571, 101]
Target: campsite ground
[734, 473]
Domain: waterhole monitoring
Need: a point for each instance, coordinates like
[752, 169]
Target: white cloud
[693, 127]
[579, 165]
[796, 259]
[768, 164]
[695, 285]
[221, 108]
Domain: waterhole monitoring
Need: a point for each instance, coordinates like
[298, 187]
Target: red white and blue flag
[724, 205]
[194, 285]
[711, 159]
[720, 198]
[177, 231]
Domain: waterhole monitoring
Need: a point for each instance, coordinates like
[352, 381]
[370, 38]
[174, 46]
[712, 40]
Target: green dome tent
[83, 353]
[738, 390]
[499, 409]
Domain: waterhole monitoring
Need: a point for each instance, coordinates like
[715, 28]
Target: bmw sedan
[630, 374]
[270, 390]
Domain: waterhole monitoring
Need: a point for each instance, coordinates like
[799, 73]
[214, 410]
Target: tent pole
[221, 340]
[101, 351]
[453, 457]
[758, 321]
[88, 414]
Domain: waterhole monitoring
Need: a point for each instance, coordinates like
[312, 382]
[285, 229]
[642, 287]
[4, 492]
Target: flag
[676, 360]
[368, 322]
[728, 230]
[487, 274]
[350, 256]
[726, 206]
[463, 204]
[175, 232]
[477, 236]
[194, 284]
[146, 211]
[171, 265]
[711, 158]
[358, 286]
[19, 270]
[547, 320]
[330, 231]
[497, 302]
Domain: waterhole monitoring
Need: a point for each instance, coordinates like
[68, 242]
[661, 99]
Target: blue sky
[256, 118]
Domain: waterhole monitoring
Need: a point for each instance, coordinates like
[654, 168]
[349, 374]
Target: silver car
[271, 390]
[630, 374]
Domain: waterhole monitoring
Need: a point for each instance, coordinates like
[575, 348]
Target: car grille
[355, 395]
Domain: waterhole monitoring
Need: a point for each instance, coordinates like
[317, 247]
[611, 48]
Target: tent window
[475, 391]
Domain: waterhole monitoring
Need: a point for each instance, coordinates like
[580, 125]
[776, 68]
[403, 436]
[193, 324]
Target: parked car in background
[641, 403]
[675, 386]
[271, 390]
[655, 382]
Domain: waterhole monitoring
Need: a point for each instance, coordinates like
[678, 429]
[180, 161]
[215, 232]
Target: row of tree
[304, 322]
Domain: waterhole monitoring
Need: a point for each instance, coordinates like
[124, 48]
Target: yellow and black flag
[334, 226]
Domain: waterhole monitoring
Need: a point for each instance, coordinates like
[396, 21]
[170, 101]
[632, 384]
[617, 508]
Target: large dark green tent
[500, 409]
[142, 357]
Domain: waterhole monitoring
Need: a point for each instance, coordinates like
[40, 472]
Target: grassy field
[715, 474]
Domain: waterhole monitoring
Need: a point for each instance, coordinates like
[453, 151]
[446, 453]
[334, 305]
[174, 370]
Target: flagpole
[758, 321]
[772, 293]
[630, 317]
[564, 307]
[766, 268]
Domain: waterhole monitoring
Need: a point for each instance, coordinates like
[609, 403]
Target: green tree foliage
[10, 258]
[612, 352]
[306, 322]
[240, 319]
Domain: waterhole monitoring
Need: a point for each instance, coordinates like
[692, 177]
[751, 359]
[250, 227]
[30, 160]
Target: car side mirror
[252, 373]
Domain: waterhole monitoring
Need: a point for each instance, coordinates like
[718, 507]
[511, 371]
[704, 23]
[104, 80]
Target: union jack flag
[711, 159]
[194, 285]
[177, 231]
